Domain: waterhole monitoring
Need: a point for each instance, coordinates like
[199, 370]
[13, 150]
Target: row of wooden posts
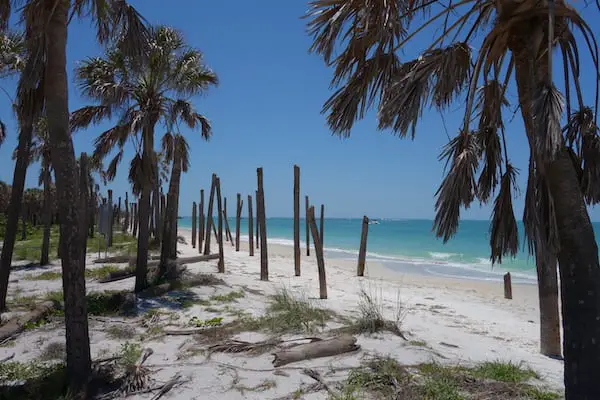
[203, 225]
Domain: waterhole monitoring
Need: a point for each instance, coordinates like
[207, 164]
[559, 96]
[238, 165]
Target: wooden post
[321, 231]
[209, 215]
[201, 226]
[261, 216]
[257, 225]
[507, 286]
[119, 211]
[238, 216]
[194, 217]
[221, 264]
[135, 219]
[228, 235]
[110, 218]
[250, 228]
[307, 206]
[362, 254]
[318, 252]
[297, 220]
[126, 218]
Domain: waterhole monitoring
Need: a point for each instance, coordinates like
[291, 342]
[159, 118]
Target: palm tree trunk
[14, 208]
[550, 344]
[65, 167]
[169, 243]
[156, 209]
[45, 258]
[578, 255]
[141, 277]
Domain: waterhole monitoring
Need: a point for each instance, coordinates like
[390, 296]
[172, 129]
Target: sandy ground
[461, 322]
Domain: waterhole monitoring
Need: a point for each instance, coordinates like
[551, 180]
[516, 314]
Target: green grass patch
[19, 371]
[386, 378]
[229, 297]
[102, 272]
[121, 241]
[44, 276]
[287, 314]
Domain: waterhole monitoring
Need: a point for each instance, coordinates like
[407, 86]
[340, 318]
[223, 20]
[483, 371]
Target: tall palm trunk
[546, 264]
[141, 271]
[14, 208]
[578, 253]
[65, 167]
[169, 243]
[45, 259]
[156, 209]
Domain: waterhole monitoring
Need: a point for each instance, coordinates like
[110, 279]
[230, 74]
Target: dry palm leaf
[547, 111]
[240, 346]
[458, 187]
[504, 235]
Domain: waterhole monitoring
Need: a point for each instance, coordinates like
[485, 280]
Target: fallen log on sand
[317, 349]
[117, 276]
[121, 259]
[17, 324]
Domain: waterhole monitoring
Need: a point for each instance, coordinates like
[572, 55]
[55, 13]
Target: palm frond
[458, 187]
[361, 24]
[350, 102]
[111, 171]
[5, 11]
[168, 146]
[489, 143]
[136, 175]
[189, 75]
[2, 132]
[183, 152]
[547, 111]
[438, 75]
[13, 52]
[98, 78]
[184, 110]
[504, 235]
[85, 116]
[115, 136]
[590, 180]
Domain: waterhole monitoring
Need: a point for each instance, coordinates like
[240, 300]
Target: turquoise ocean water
[409, 246]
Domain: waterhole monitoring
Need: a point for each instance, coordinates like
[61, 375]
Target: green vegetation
[288, 314]
[198, 323]
[229, 297]
[11, 371]
[121, 241]
[386, 378]
[104, 271]
[120, 331]
[44, 276]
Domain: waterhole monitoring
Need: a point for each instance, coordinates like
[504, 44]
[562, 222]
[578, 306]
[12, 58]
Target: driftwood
[117, 276]
[121, 259]
[188, 260]
[322, 348]
[16, 325]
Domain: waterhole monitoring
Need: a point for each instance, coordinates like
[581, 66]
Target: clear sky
[266, 112]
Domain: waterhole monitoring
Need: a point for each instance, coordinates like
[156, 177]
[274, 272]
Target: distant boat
[374, 222]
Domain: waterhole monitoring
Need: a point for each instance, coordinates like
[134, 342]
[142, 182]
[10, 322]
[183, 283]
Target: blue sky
[266, 112]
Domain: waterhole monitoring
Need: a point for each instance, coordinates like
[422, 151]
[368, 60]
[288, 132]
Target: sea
[409, 246]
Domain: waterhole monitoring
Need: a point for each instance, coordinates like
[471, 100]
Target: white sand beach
[444, 320]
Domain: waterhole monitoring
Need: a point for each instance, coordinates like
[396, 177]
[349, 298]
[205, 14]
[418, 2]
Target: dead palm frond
[547, 111]
[13, 53]
[504, 235]
[458, 187]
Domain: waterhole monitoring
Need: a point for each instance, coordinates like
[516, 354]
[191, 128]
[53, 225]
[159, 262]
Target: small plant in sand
[44, 276]
[371, 319]
[288, 313]
[53, 351]
[199, 323]
[136, 376]
[121, 331]
[103, 272]
[229, 297]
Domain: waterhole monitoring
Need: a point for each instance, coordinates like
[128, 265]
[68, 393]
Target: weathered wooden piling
[250, 228]
[261, 215]
[209, 215]
[321, 231]
[362, 254]
[238, 216]
[135, 219]
[257, 225]
[201, 226]
[110, 218]
[194, 217]
[297, 220]
[126, 216]
[83, 201]
[307, 206]
[318, 253]
[507, 286]
[118, 218]
[227, 230]
[221, 264]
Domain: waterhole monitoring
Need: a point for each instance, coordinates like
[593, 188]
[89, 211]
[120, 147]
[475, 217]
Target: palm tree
[155, 94]
[515, 37]
[28, 106]
[176, 150]
[40, 152]
[46, 37]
